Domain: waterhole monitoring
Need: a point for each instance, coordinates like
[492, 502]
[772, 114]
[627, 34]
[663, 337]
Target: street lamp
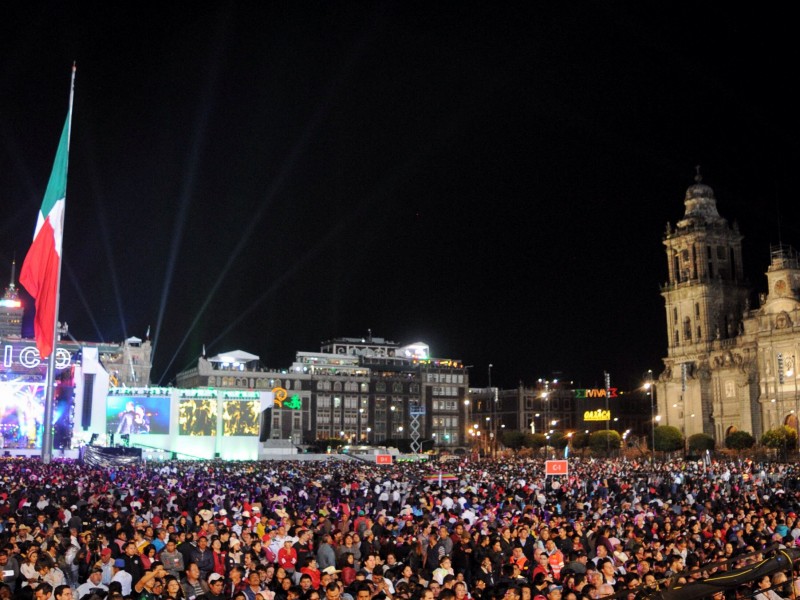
[467, 418]
[651, 391]
[533, 422]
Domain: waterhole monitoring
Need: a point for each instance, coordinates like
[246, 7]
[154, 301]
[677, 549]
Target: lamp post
[493, 401]
[467, 419]
[533, 422]
[651, 391]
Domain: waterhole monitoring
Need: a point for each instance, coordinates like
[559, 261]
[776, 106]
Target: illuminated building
[11, 309]
[358, 389]
[729, 366]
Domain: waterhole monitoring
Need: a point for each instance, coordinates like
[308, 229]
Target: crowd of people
[350, 530]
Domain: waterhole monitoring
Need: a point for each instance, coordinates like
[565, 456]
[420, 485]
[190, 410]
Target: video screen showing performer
[126, 415]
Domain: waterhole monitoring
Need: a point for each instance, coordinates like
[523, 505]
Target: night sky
[492, 179]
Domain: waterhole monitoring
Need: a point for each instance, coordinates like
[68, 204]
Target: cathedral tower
[705, 297]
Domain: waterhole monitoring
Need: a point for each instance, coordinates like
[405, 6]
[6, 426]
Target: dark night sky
[491, 179]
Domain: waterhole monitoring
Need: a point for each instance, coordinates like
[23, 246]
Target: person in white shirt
[120, 574]
[92, 584]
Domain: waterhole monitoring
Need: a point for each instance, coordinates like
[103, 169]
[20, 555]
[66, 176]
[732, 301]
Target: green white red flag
[41, 269]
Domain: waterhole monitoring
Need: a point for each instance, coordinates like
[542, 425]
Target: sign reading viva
[595, 393]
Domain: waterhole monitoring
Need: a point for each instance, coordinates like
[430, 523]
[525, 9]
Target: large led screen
[197, 417]
[22, 414]
[240, 417]
[137, 415]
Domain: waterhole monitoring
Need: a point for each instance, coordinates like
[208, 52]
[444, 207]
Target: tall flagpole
[47, 434]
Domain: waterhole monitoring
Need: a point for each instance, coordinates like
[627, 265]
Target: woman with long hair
[172, 589]
[148, 556]
[346, 564]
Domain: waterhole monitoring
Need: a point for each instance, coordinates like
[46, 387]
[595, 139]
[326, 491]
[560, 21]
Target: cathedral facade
[729, 366]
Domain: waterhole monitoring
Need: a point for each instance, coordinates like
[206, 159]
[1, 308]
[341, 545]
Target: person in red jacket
[312, 571]
[287, 557]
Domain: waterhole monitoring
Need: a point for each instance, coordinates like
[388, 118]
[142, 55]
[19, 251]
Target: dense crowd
[349, 530]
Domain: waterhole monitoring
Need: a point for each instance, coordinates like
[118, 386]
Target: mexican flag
[40, 271]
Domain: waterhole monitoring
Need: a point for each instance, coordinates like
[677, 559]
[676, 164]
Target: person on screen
[141, 422]
[126, 419]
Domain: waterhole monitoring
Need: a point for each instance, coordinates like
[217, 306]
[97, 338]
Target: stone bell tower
[705, 299]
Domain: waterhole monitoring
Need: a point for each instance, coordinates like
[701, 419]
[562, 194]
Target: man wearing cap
[122, 576]
[24, 533]
[216, 585]
[92, 585]
[106, 566]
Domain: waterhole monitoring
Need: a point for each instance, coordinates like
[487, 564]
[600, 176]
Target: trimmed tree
[668, 438]
[740, 440]
[783, 439]
[605, 441]
[535, 441]
[512, 439]
[580, 440]
[558, 440]
[700, 442]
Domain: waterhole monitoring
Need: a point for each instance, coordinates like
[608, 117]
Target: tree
[668, 438]
[512, 439]
[740, 440]
[558, 440]
[535, 440]
[700, 442]
[605, 440]
[580, 440]
[782, 438]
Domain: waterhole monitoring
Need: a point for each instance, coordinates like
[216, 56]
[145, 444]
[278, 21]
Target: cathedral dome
[699, 190]
[701, 206]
